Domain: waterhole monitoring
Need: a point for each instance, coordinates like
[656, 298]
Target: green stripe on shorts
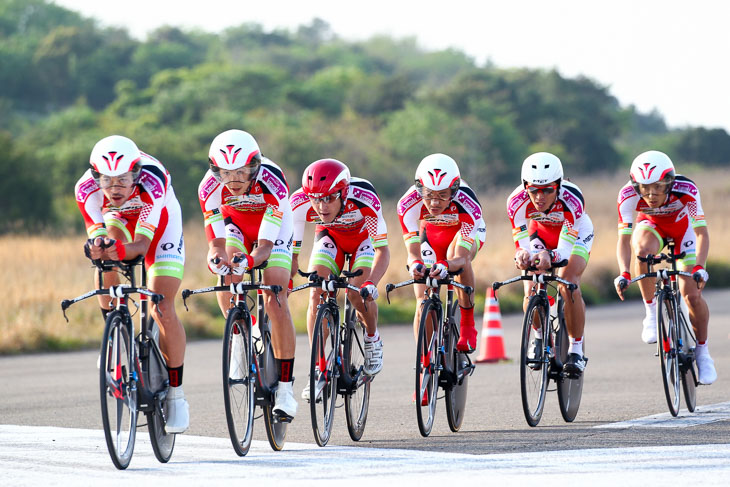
[281, 260]
[169, 269]
[581, 251]
[326, 261]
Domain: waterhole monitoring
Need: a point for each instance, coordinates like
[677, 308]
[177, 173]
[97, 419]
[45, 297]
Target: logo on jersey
[275, 184]
[298, 199]
[469, 204]
[151, 184]
[573, 203]
[408, 201]
[207, 188]
[516, 202]
[85, 189]
[366, 197]
[685, 187]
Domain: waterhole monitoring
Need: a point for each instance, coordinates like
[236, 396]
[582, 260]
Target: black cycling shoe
[574, 366]
[535, 362]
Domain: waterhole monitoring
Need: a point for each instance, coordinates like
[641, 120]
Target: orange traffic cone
[492, 342]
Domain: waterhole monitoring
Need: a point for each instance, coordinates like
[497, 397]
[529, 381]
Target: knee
[693, 299]
[355, 298]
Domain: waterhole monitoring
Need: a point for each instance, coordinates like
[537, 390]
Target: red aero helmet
[325, 177]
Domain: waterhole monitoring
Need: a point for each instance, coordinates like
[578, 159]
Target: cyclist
[668, 206]
[550, 225]
[130, 209]
[245, 200]
[443, 229]
[349, 219]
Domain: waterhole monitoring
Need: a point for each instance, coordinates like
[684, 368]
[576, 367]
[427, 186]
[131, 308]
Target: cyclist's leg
[326, 258]
[575, 308]
[647, 239]
[428, 256]
[363, 257]
[239, 238]
[118, 229]
[463, 253]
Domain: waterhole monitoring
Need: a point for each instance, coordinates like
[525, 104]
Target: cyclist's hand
[522, 259]
[218, 265]
[700, 275]
[542, 260]
[241, 263]
[114, 249]
[621, 283]
[92, 249]
[440, 270]
[371, 289]
[417, 269]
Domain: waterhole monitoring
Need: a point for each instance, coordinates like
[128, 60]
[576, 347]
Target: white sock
[538, 333]
[702, 349]
[576, 346]
[650, 307]
[373, 338]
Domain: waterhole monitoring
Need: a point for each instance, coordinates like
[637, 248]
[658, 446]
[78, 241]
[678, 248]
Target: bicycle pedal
[282, 418]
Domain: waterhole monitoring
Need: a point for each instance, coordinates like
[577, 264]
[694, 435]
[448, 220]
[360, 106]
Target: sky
[670, 56]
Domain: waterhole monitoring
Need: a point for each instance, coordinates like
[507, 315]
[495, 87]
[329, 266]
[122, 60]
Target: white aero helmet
[113, 156]
[438, 172]
[651, 167]
[234, 149]
[541, 168]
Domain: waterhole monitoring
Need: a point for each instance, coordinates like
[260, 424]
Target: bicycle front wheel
[534, 360]
[269, 374]
[455, 362]
[668, 345]
[237, 371]
[427, 364]
[117, 388]
[323, 371]
[357, 399]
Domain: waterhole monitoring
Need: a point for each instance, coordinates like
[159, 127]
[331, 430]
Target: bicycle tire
[117, 388]
[687, 364]
[668, 347]
[534, 370]
[570, 391]
[237, 375]
[269, 374]
[157, 380]
[455, 361]
[323, 372]
[357, 400]
[427, 364]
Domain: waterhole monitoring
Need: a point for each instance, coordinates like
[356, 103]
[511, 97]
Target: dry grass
[41, 271]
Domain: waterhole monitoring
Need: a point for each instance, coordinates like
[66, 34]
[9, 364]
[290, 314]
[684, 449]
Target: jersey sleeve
[154, 181]
[628, 199]
[276, 195]
[210, 193]
[90, 200]
[517, 213]
[470, 215]
[300, 205]
[375, 223]
[694, 206]
[409, 215]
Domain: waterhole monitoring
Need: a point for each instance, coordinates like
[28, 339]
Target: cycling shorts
[329, 250]
[242, 232]
[436, 239]
[681, 232]
[581, 247]
[166, 254]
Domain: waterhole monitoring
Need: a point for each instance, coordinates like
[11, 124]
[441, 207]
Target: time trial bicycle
[133, 374]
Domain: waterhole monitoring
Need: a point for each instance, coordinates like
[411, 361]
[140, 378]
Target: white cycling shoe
[177, 413]
[648, 333]
[284, 402]
[305, 392]
[373, 357]
[705, 366]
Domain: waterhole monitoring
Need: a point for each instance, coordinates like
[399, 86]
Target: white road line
[30, 455]
[702, 415]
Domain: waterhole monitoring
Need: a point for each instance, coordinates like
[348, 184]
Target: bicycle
[438, 363]
[337, 359]
[550, 351]
[676, 340]
[249, 370]
[132, 371]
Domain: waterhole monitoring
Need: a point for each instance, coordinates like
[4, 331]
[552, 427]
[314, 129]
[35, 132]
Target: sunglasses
[542, 189]
[325, 199]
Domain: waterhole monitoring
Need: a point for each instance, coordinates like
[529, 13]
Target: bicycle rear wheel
[238, 396]
[275, 428]
[456, 362]
[357, 399]
[323, 374]
[117, 388]
[668, 345]
[687, 364]
[570, 390]
[157, 381]
[534, 369]
[427, 358]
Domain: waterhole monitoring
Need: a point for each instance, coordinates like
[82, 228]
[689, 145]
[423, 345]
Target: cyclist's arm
[380, 264]
[703, 245]
[462, 255]
[623, 253]
[414, 252]
[294, 264]
[217, 248]
[262, 252]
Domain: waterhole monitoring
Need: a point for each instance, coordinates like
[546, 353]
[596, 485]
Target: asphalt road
[622, 382]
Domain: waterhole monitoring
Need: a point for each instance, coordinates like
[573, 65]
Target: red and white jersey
[361, 218]
[565, 222]
[152, 191]
[264, 205]
[682, 207]
[464, 212]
